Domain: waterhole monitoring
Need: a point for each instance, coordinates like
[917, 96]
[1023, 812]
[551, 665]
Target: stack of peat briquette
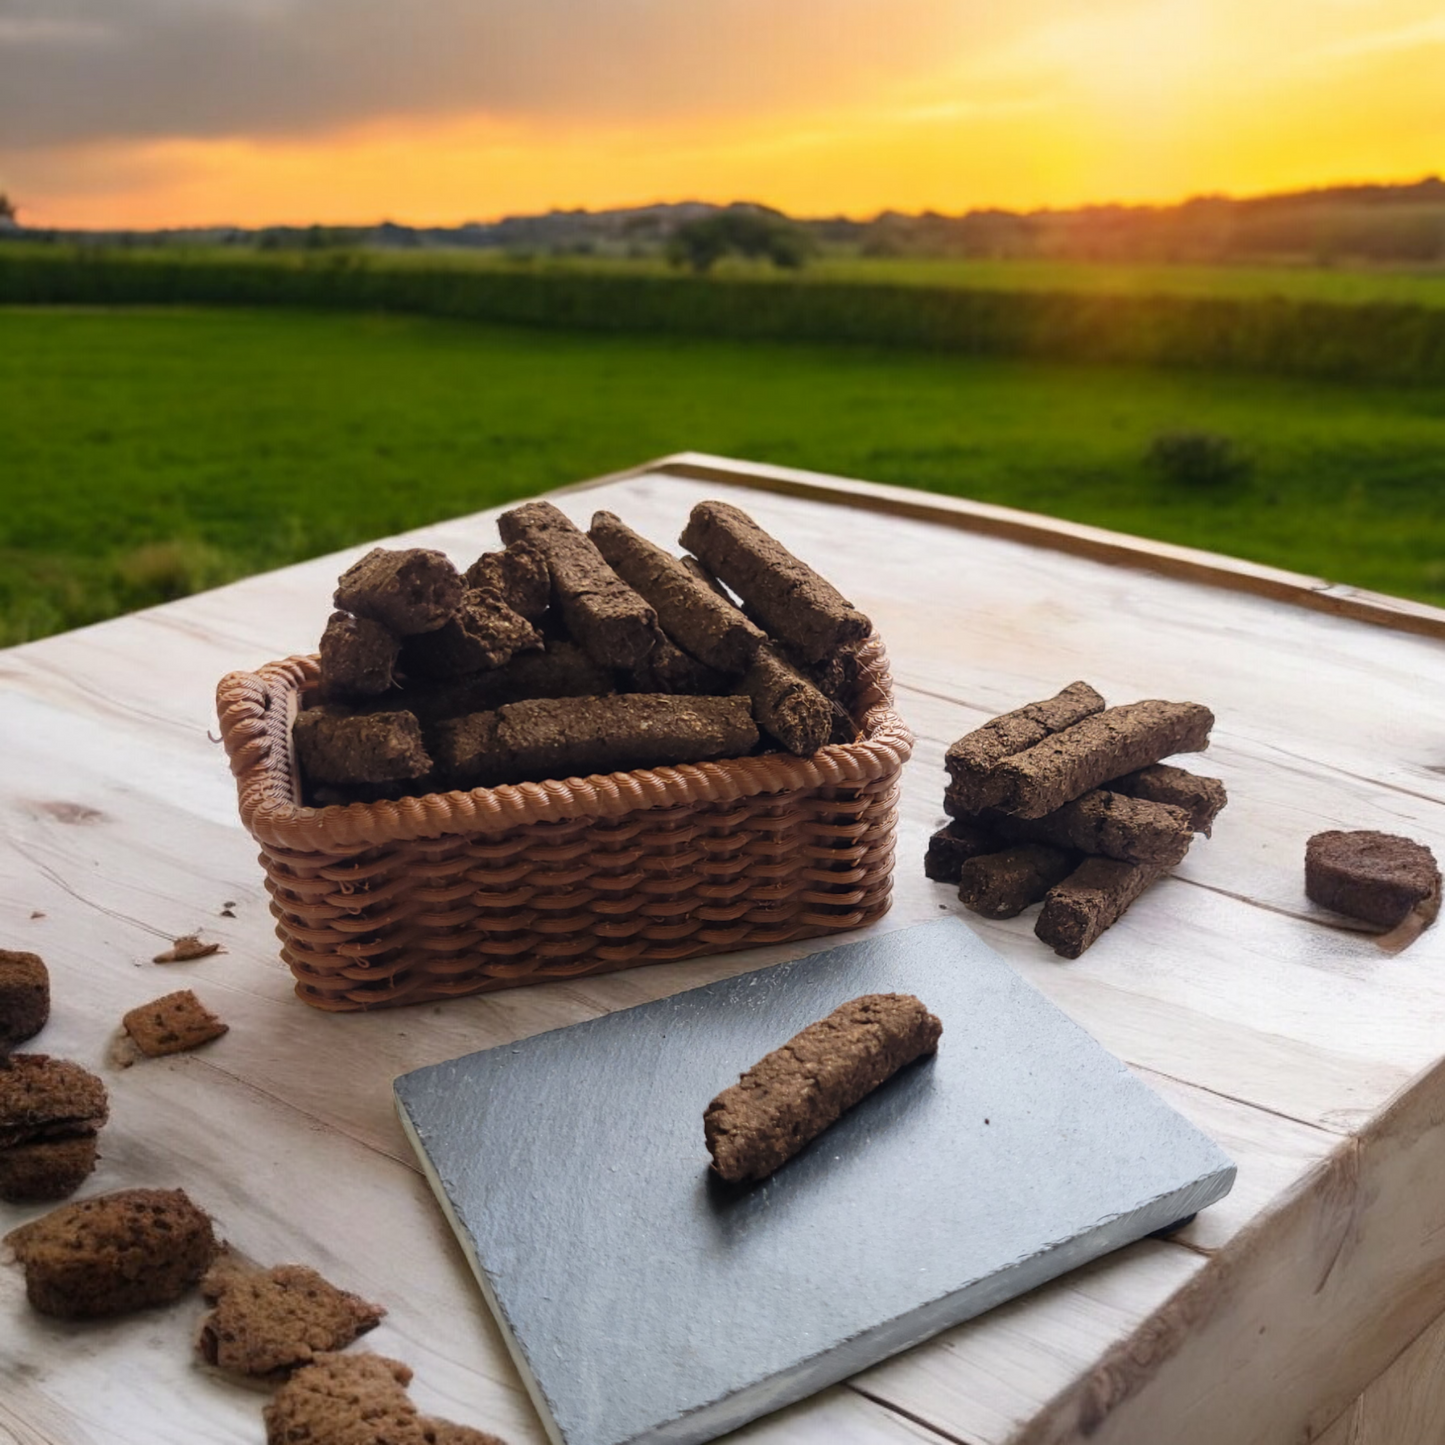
[1066, 801]
[569, 653]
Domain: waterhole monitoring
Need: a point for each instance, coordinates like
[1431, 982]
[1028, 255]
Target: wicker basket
[378, 904]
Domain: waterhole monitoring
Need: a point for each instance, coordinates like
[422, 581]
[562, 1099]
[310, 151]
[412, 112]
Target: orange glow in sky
[1129, 102]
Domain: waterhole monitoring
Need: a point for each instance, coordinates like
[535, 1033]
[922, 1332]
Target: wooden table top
[1311, 1055]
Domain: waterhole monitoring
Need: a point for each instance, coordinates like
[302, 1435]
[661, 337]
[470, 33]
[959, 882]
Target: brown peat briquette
[358, 657]
[786, 705]
[377, 747]
[24, 996]
[267, 1322]
[562, 669]
[517, 575]
[796, 605]
[972, 759]
[951, 847]
[1002, 885]
[603, 614]
[667, 668]
[1104, 822]
[1202, 798]
[704, 576]
[408, 591]
[1379, 878]
[114, 1253]
[484, 633]
[1100, 747]
[1092, 898]
[172, 1024]
[788, 1098]
[690, 612]
[567, 737]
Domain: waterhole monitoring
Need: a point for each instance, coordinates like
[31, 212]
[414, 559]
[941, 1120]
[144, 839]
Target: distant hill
[1382, 224]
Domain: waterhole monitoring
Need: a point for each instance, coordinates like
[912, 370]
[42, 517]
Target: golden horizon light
[923, 105]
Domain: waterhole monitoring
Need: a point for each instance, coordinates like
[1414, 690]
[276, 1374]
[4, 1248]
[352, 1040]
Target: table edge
[1099, 544]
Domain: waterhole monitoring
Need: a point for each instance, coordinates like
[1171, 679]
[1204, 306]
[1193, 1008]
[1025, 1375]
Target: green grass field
[151, 452]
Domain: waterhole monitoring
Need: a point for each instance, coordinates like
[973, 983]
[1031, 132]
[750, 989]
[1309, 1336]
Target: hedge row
[1396, 343]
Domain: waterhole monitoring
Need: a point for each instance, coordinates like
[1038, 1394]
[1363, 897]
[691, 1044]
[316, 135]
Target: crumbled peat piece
[1202, 798]
[1379, 878]
[690, 612]
[43, 1172]
[1092, 898]
[377, 747]
[114, 1253]
[172, 1024]
[267, 1322]
[667, 668]
[705, 577]
[788, 1098]
[484, 633]
[518, 575]
[358, 657]
[1002, 885]
[569, 737]
[602, 613]
[795, 604]
[562, 669]
[42, 1098]
[410, 591]
[357, 1400]
[972, 759]
[1103, 746]
[786, 705]
[24, 996]
[187, 947]
[952, 846]
[50, 1113]
[1101, 822]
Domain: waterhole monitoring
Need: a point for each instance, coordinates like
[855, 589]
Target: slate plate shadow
[644, 1301]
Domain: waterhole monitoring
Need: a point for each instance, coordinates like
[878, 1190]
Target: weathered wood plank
[1114, 548]
[1403, 1406]
[1275, 1336]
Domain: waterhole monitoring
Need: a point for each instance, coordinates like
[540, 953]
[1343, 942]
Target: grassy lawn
[153, 452]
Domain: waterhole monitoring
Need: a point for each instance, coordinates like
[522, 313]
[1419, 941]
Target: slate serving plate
[644, 1301]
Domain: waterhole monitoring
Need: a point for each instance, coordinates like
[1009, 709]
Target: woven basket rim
[256, 709]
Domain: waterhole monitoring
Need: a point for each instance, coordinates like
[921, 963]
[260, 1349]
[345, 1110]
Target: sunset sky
[190, 112]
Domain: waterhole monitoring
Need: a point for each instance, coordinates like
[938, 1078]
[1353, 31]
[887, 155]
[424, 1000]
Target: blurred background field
[272, 283]
[153, 451]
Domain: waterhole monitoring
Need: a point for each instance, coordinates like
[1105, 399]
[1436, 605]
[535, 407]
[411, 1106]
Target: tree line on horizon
[1377, 223]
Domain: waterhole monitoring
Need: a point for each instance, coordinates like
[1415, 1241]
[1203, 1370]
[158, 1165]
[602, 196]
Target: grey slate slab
[645, 1301]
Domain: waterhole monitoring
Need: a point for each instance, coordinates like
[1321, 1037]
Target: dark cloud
[75, 71]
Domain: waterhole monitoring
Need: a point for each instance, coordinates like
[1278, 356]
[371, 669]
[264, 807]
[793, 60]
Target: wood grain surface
[1310, 1054]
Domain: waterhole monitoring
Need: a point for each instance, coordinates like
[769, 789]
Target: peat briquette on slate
[789, 1097]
